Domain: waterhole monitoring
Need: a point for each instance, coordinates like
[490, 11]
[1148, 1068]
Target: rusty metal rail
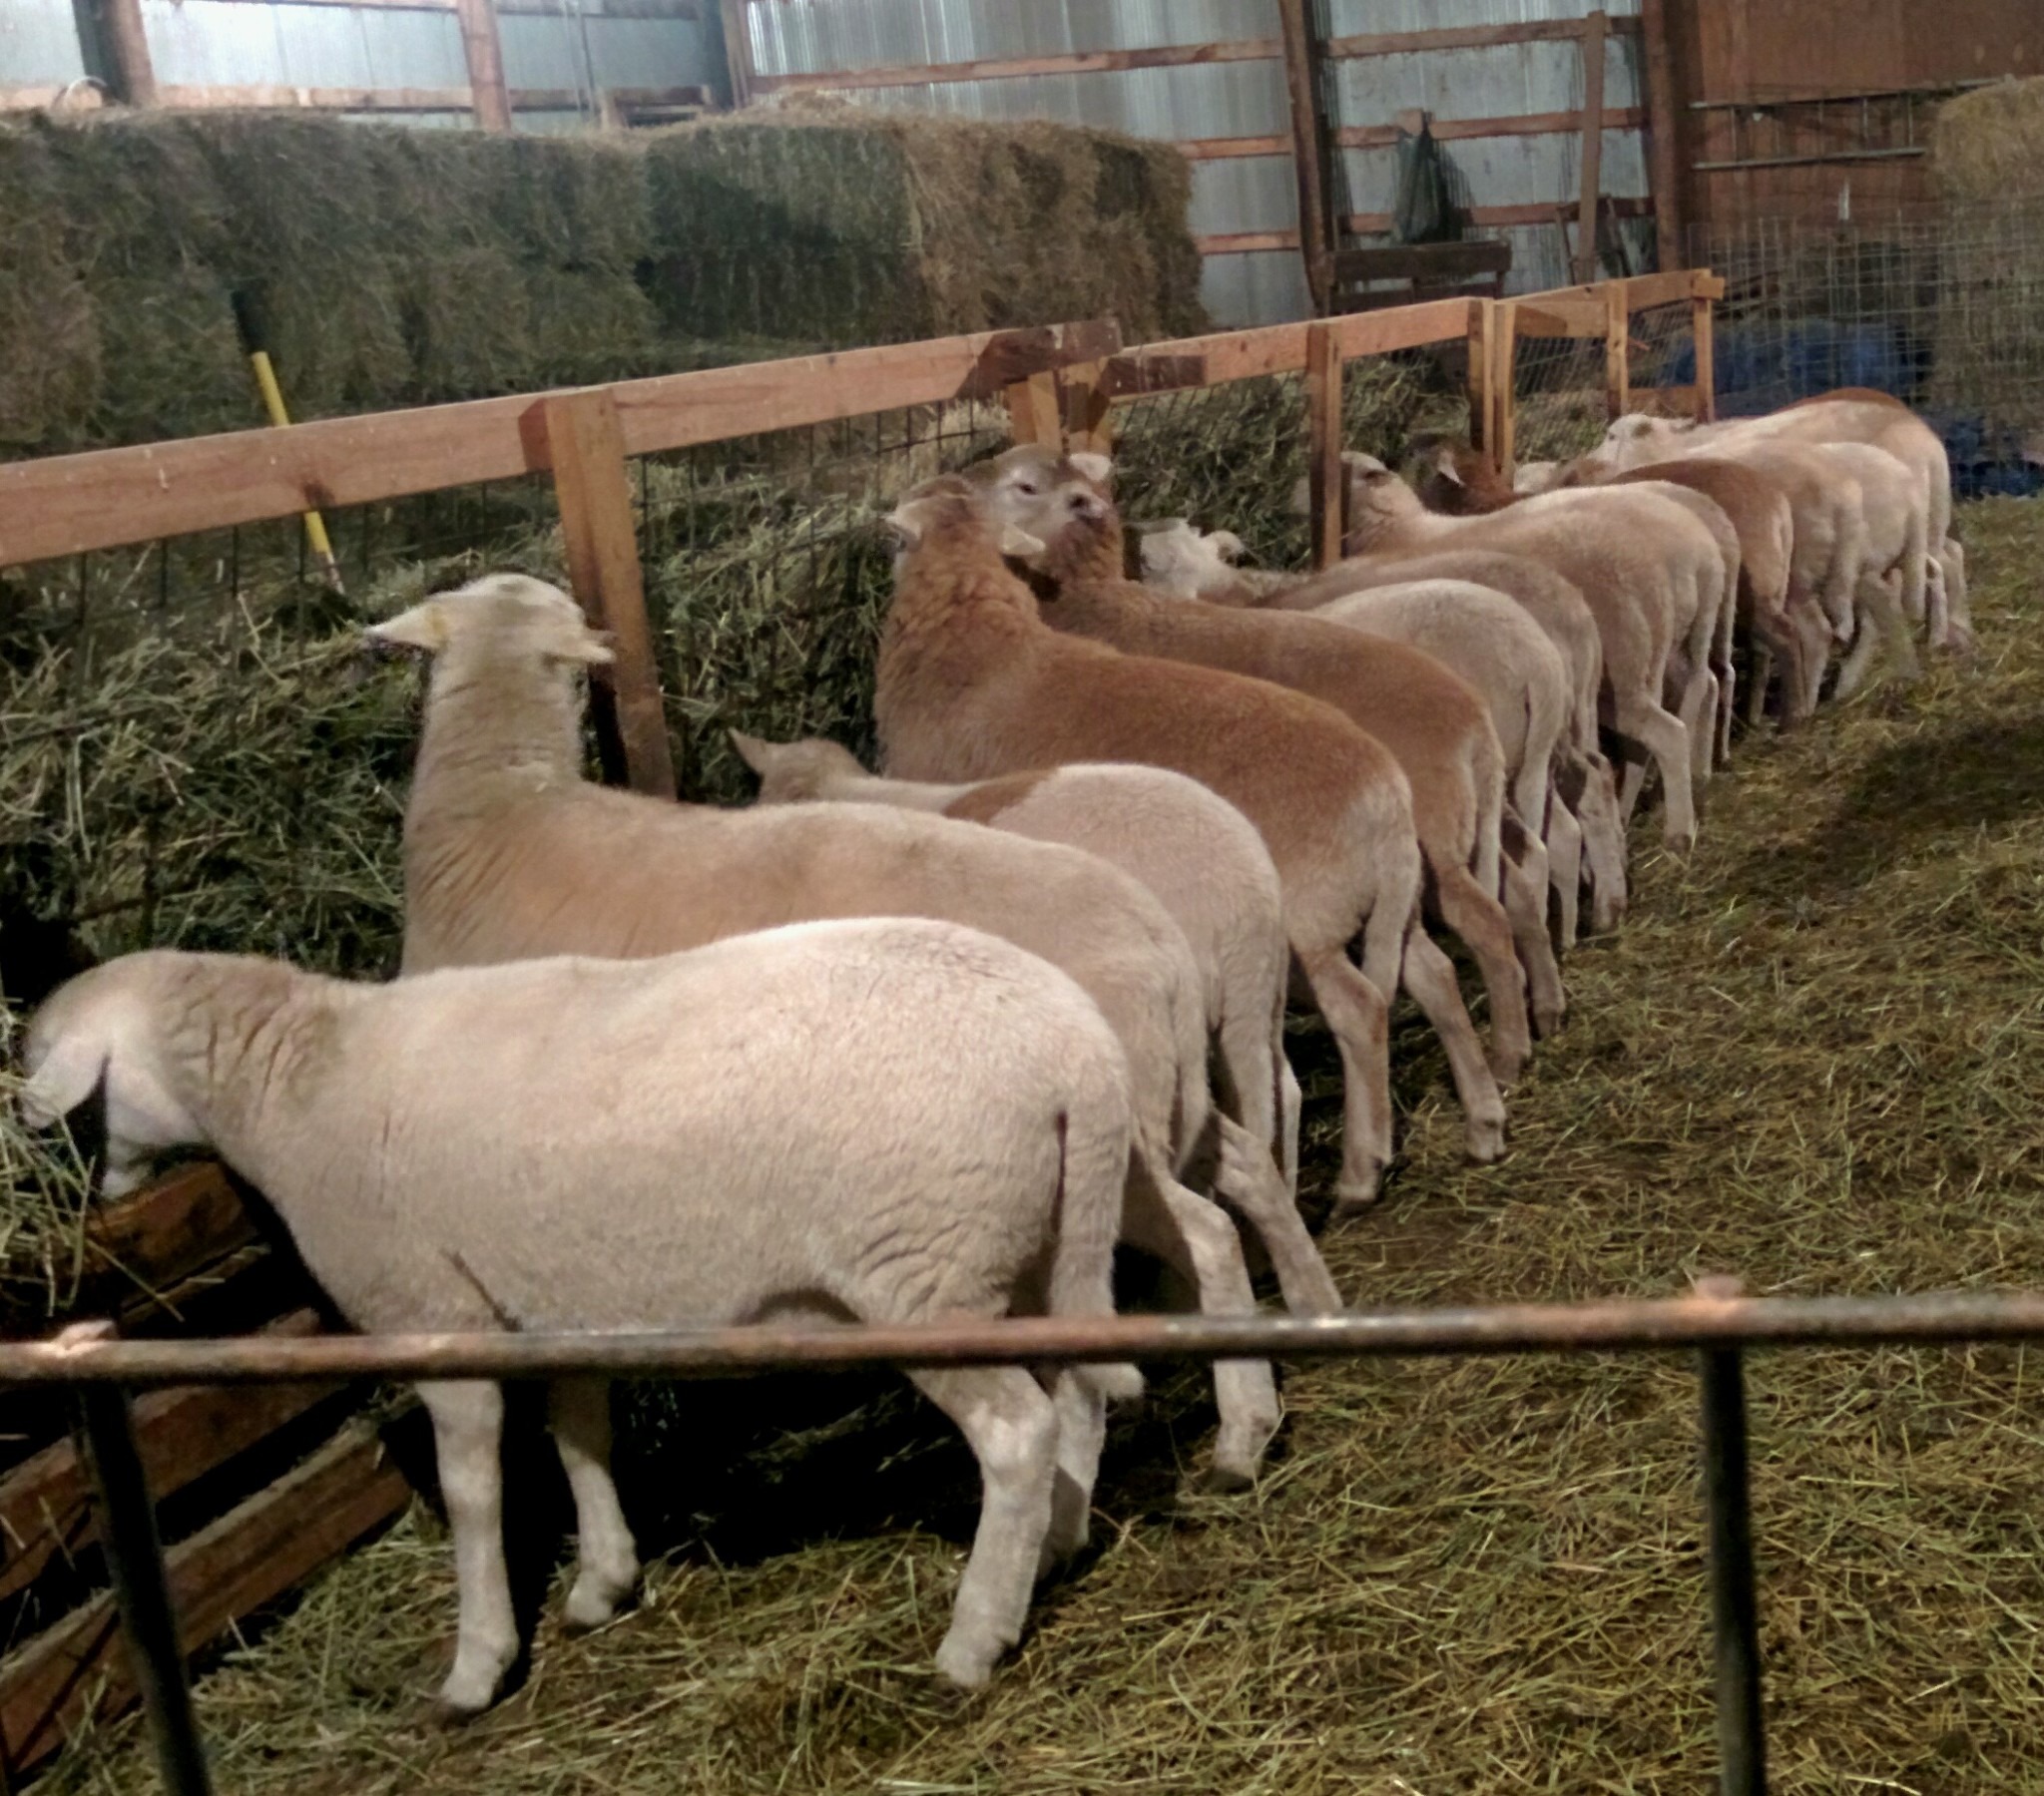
[1714, 1322]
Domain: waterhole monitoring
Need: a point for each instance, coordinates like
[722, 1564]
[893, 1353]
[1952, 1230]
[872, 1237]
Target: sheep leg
[1249, 1179]
[1480, 921]
[607, 1558]
[1011, 1424]
[1880, 621]
[1953, 627]
[1081, 1406]
[1358, 1014]
[1604, 847]
[1757, 686]
[1727, 673]
[1431, 978]
[1662, 737]
[1290, 1102]
[1525, 880]
[1564, 867]
[468, 1428]
[1195, 1238]
[1246, 1046]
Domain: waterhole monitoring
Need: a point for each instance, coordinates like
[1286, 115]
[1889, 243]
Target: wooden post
[484, 52]
[738, 51]
[1703, 325]
[1595, 28]
[127, 46]
[1664, 127]
[1036, 412]
[1302, 74]
[1324, 441]
[1504, 358]
[1482, 433]
[1618, 330]
[1088, 413]
[586, 449]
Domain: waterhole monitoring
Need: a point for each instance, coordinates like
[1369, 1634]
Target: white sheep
[509, 853]
[888, 1121]
[1199, 855]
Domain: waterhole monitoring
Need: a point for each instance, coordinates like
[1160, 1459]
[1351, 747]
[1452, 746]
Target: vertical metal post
[135, 1560]
[1735, 1609]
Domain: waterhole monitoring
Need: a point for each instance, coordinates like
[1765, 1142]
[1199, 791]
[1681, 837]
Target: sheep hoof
[1487, 1141]
[1227, 1481]
[1354, 1195]
[446, 1714]
[1506, 1068]
[965, 1665]
[589, 1609]
[1548, 1019]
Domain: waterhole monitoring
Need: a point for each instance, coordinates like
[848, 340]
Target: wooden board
[1386, 137]
[1324, 442]
[251, 1556]
[1311, 178]
[215, 97]
[1535, 211]
[484, 55]
[1219, 148]
[1463, 37]
[162, 1234]
[1595, 28]
[45, 1502]
[585, 447]
[1036, 412]
[107, 498]
[1664, 136]
[1076, 62]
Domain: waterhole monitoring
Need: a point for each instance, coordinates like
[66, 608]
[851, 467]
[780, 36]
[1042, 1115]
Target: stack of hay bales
[848, 225]
[1988, 155]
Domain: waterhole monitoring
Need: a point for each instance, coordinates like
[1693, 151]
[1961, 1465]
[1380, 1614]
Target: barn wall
[1771, 50]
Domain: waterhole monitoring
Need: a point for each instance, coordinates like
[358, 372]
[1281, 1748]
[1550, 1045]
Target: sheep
[1476, 633]
[971, 684]
[509, 852]
[1554, 604]
[1434, 724]
[1199, 855]
[1785, 618]
[1461, 482]
[1621, 567]
[1876, 558]
[892, 1121]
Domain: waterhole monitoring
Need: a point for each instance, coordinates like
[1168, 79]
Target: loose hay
[1809, 1057]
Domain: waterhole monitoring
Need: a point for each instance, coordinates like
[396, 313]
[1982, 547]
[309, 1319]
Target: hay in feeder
[49, 340]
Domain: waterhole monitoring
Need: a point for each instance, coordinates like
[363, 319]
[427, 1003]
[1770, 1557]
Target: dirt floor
[1814, 1057]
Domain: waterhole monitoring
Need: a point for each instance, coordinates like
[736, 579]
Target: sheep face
[524, 614]
[795, 772]
[100, 1030]
[1180, 561]
[1636, 437]
[1045, 495]
[1375, 491]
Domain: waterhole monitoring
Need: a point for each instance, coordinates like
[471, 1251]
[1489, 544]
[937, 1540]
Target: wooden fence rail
[185, 1253]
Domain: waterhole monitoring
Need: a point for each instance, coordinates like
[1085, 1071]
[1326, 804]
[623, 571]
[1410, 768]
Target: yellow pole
[272, 403]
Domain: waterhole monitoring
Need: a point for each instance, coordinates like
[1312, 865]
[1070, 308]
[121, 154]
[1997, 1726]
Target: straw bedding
[1809, 1058]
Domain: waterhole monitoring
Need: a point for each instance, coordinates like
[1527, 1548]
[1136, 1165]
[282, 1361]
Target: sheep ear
[586, 649]
[752, 750]
[1019, 543]
[1096, 467]
[1226, 544]
[910, 519]
[70, 1074]
[423, 626]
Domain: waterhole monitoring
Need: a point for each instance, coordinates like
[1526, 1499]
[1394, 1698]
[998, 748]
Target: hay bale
[49, 344]
[1989, 146]
[847, 225]
[589, 325]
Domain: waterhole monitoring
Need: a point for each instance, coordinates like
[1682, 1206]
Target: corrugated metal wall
[1240, 196]
[236, 43]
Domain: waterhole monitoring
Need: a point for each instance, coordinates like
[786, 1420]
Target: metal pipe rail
[1714, 1322]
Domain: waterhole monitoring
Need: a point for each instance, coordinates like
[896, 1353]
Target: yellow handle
[272, 403]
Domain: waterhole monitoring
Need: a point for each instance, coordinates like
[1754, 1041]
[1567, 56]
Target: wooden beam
[1036, 412]
[1219, 148]
[1386, 137]
[1618, 339]
[162, 1234]
[1704, 334]
[252, 1556]
[1076, 62]
[585, 447]
[1595, 27]
[1310, 174]
[127, 45]
[1324, 441]
[1245, 242]
[738, 53]
[1089, 416]
[484, 54]
[1664, 122]
[1579, 317]
[70, 96]
[1491, 218]
[687, 10]
[105, 498]
[45, 1502]
[409, 100]
[1463, 37]
[1478, 382]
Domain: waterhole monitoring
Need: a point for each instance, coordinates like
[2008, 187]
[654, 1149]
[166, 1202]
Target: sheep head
[797, 772]
[516, 613]
[98, 1031]
[1638, 438]
[1061, 500]
[1177, 560]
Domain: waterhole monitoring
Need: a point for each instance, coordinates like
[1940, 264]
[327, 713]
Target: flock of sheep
[895, 1048]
